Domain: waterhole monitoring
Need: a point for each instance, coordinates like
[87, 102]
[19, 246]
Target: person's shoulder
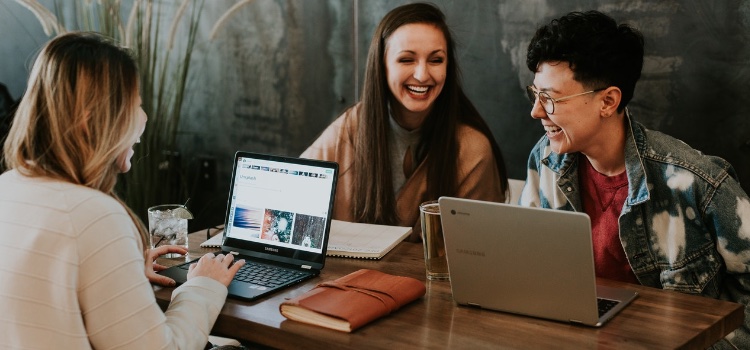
[80, 201]
[58, 194]
[92, 211]
[346, 121]
[471, 141]
[336, 136]
[468, 134]
[78, 195]
[658, 143]
[351, 116]
[671, 150]
[72, 207]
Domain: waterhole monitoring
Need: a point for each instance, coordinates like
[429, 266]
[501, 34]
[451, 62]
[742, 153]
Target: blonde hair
[78, 115]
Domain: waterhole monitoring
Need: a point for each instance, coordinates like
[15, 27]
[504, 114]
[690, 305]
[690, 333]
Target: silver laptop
[530, 261]
[278, 219]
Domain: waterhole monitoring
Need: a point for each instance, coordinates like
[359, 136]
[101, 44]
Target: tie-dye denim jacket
[685, 225]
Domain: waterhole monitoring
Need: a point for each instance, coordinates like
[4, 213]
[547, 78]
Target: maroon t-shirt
[603, 197]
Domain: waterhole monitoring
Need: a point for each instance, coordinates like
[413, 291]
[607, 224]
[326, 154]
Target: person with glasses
[662, 213]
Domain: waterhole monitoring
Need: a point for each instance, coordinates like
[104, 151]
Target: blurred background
[277, 72]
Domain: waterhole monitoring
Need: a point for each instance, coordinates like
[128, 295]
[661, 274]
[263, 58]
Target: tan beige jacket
[478, 176]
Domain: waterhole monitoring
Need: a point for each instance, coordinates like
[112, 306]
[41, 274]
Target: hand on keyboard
[216, 267]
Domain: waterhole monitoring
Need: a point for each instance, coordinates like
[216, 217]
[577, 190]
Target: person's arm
[729, 217]
[478, 177]
[116, 299]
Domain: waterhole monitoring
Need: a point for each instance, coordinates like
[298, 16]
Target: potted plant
[164, 58]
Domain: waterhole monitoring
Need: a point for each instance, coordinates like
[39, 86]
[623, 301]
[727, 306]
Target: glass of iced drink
[168, 225]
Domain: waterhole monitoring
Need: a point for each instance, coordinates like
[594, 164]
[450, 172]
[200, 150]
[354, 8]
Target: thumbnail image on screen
[277, 226]
[249, 219]
[308, 231]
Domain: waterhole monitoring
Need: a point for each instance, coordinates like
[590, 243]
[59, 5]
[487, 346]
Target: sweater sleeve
[116, 300]
[478, 177]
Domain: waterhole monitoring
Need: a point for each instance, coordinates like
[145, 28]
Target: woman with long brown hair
[415, 135]
[72, 254]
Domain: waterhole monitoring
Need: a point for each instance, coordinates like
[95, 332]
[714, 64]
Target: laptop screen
[280, 206]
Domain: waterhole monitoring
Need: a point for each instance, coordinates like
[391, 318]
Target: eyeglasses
[547, 102]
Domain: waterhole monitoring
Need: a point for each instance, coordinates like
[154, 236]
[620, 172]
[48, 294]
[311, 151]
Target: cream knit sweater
[72, 275]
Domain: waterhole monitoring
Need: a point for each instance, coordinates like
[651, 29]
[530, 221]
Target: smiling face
[575, 124]
[416, 62]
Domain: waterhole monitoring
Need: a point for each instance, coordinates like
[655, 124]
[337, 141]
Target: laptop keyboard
[605, 305]
[269, 276]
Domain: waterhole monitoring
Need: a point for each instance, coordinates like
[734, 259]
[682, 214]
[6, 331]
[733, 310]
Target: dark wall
[279, 71]
[273, 78]
[694, 83]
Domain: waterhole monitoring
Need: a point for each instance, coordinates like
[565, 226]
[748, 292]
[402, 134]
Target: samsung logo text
[469, 252]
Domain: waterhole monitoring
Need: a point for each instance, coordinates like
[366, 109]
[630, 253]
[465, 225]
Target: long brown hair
[438, 133]
[78, 114]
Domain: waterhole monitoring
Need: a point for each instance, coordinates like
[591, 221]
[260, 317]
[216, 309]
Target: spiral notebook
[350, 239]
[215, 241]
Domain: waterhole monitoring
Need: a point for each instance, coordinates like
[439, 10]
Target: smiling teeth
[418, 89]
[552, 129]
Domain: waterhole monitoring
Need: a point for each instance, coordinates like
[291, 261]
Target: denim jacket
[685, 224]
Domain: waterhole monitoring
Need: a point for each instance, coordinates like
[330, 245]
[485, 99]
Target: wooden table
[656, 319]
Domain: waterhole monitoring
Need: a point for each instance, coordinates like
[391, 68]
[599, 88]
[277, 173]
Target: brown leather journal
[354, 300]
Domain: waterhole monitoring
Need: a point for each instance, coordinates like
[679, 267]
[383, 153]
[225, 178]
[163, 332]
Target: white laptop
[530, 261]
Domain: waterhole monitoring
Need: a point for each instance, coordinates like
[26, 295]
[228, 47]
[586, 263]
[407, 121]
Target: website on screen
[280, 203]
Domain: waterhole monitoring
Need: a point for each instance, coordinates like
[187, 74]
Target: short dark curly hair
[600, 52]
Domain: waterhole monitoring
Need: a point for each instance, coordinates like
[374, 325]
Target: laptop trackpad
[246, 290]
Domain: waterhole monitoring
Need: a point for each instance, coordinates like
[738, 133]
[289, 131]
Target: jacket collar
[635, 145]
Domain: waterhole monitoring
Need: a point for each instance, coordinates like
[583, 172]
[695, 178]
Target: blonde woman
[71, 253]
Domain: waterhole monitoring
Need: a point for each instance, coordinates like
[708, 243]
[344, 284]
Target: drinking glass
[432, 240]
[168, 225]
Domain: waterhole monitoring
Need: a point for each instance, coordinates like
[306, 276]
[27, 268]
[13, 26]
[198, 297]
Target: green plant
[164, 62]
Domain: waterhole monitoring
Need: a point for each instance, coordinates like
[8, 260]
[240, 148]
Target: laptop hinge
[306, 267]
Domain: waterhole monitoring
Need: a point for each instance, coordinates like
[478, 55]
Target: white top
[72, 275]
